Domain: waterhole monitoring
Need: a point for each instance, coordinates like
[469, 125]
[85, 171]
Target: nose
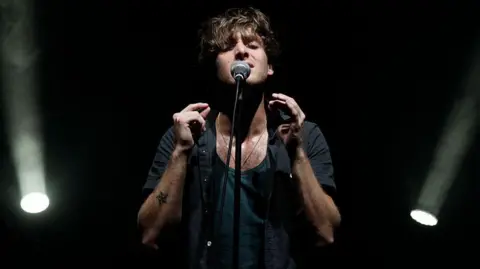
[240, 51]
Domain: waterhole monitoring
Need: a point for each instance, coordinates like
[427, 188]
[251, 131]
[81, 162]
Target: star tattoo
[162, 198]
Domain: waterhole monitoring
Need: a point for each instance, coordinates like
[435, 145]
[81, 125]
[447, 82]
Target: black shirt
[285, 223]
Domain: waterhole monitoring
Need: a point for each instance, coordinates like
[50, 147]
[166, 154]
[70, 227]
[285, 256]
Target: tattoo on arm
[162, 198]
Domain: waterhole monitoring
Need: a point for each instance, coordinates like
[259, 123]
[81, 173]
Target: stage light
[423, 217]
[34, 202]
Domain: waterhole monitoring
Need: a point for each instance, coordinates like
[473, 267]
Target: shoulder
[313, 138]
[168, 134]
[168, 138]
[311, 130]
[309, 125]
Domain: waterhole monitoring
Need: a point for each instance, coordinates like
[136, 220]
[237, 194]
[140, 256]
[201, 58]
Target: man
[287, 174]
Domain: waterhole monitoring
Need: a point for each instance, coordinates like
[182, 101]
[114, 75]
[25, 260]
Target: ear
[270, 70]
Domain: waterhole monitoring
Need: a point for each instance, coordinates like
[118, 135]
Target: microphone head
[240, 70]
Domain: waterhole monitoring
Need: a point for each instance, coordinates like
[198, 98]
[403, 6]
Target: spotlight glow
[423, 217]
[34, 202]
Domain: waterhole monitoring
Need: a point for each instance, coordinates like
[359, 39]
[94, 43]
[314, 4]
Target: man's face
[244, 48]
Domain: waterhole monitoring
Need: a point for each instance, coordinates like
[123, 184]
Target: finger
[281, 96]
[288, 100]
[205, 112]
[281, 106]
[276, 103]
[188, 117]
[197, 121]
[195, 107]
[193, 117]
[292, 105]
[294, 109]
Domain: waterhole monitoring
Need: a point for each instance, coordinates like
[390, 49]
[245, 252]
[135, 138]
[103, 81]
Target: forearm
[319, 207]
[164, 204]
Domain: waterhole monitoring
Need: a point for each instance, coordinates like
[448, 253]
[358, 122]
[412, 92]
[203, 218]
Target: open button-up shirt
[285, 222]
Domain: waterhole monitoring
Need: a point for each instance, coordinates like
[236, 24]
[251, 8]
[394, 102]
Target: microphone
[240, 70]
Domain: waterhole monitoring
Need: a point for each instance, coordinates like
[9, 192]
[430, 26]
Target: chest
[253, 152]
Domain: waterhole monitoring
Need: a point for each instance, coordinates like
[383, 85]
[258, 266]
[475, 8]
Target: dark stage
[380, 81]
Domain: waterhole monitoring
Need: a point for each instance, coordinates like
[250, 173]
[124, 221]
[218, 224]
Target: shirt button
[209, 243]
[206, 211]
[205, 180]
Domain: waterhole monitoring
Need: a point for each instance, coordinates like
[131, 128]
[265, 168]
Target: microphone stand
[240, 71]
[238, 171]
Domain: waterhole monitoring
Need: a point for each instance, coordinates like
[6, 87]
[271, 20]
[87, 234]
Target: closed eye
[253, 45]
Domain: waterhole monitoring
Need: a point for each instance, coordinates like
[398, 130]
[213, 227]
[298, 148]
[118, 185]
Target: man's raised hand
[189, 123]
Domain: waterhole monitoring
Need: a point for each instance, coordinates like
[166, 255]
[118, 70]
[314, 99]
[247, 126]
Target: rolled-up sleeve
[160, 162]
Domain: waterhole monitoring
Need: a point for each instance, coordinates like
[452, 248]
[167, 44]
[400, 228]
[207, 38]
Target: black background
[378, 79]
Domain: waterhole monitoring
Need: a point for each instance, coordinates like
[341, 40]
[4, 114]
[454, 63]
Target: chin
[255, 80]
[227, 81]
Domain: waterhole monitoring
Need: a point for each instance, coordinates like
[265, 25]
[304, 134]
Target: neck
[253, 120]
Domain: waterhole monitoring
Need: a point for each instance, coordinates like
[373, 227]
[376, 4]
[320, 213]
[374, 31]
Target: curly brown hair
[217, 33]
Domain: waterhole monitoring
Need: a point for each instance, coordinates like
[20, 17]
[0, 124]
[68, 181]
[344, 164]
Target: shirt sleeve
[319, 155]
[160, 162]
